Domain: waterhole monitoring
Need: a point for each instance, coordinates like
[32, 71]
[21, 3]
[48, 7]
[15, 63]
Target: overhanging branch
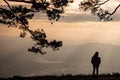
[8, 4]
[103, 2]
[115, 10]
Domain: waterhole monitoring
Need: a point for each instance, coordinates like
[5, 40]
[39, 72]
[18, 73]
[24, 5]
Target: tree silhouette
[95, 7]
[18, 16]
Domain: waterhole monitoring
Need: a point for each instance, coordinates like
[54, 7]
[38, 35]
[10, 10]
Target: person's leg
[97, 71]
[93, 70]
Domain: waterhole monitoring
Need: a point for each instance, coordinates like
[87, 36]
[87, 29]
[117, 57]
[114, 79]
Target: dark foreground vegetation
[114, 76]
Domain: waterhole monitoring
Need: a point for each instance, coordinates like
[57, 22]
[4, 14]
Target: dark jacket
[95, 61]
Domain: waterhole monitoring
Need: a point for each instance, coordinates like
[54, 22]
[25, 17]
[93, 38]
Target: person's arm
[92, 60]
[99, 59]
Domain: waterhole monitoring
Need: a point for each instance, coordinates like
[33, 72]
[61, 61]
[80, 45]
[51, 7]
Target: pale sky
[82, 35]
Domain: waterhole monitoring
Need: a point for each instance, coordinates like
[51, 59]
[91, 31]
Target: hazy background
[82, 35]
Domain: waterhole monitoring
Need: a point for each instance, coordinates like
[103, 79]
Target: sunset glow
[82, 35]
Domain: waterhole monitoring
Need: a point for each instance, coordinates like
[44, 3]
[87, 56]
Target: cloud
[46, 61]
[79, 17]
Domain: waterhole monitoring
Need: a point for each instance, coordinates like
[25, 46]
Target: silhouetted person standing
[96, 62]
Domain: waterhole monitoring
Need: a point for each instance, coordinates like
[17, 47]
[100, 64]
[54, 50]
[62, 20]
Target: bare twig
[8, 4]
[103, 2]
[115, 10]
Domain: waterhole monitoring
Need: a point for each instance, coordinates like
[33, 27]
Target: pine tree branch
[8, 4]
[104, 2]
[115, 10]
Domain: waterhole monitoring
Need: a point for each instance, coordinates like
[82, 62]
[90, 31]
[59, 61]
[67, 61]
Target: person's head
[96, 53]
